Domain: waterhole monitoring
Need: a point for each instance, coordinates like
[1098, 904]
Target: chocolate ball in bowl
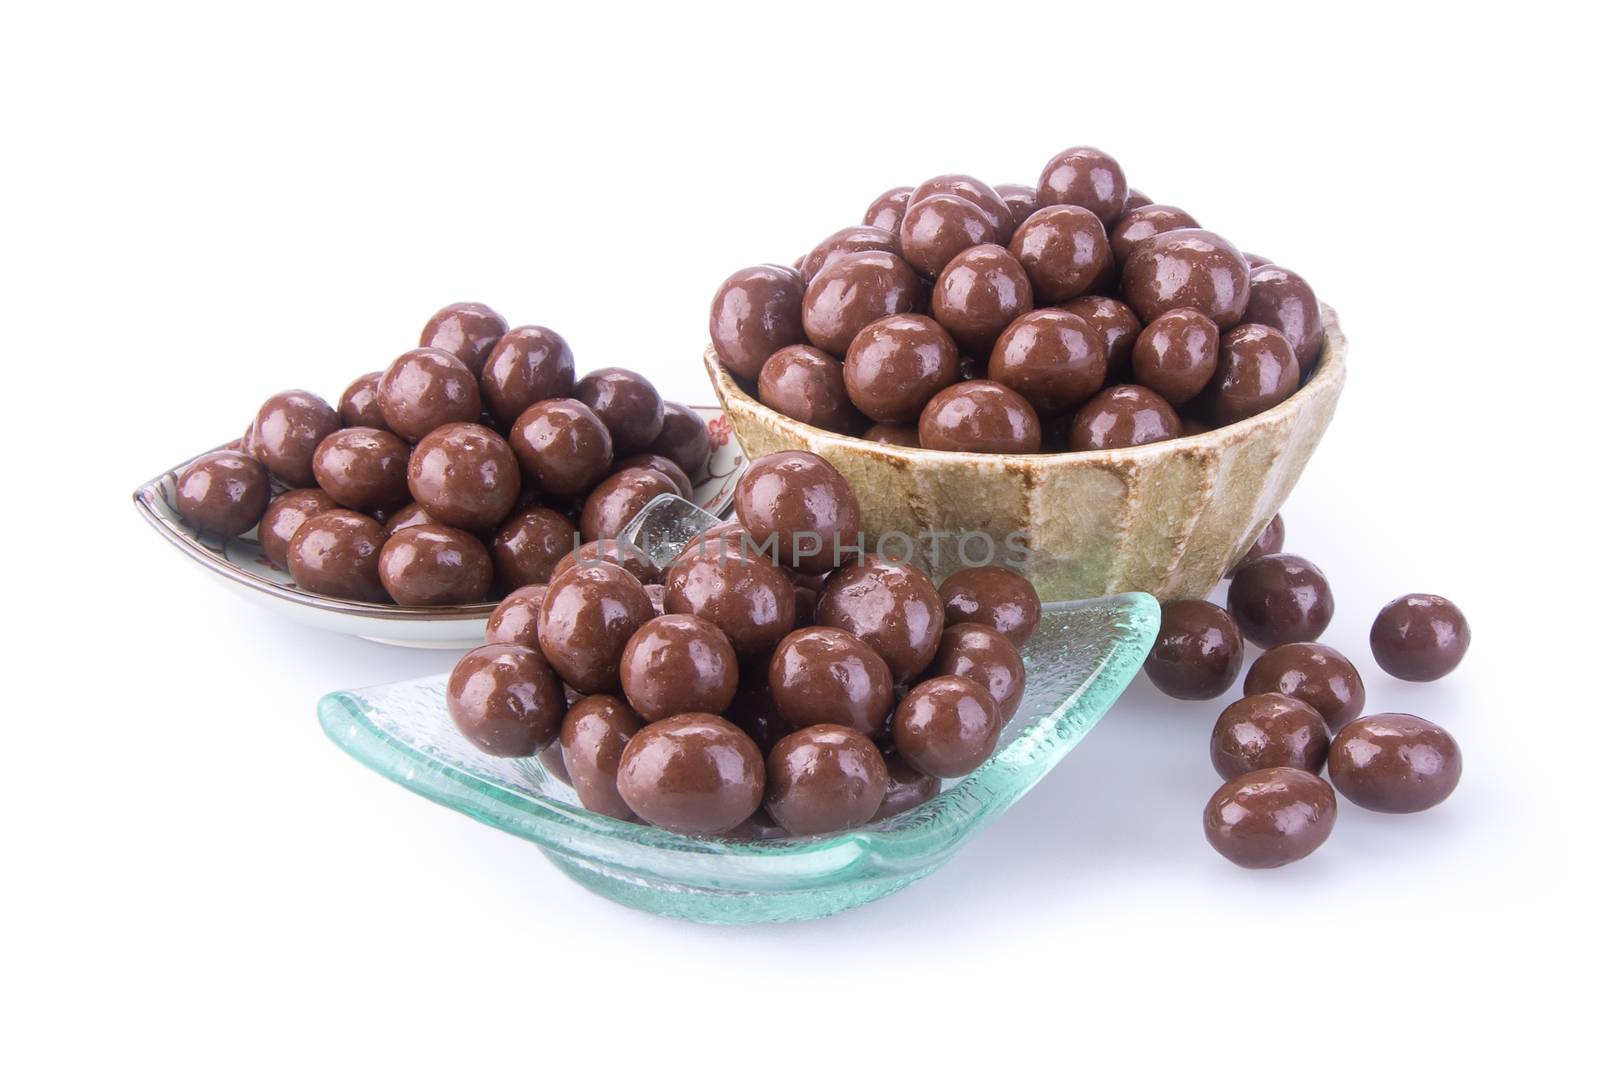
[1420, 637]
[363, 468]
[626, 403]
[677, 664]
[802, 506]
[466, 476]
[529, 544]
[336, 554]
[630, 558]
[892, 607]
[663, 465]
[684, 438]
[1394, 763]
[979, 293]
[987, 658]
[435, 565]
[1087, 177]
[563, 447]
[505, 700]
[1176, 355]
[887, 208]
[1187, 268]
[1121, 416]
[807, 384]
[1144, 223]
[946, 726]
[981, 418]
[850, 293]
[1256, 369]
[1118, 327]
[896, 364]
[1198, 652]
[907, 787]
[223, 493]
[938, 227]
[528, 365]
[755, 312]
[695, 774]
[748, 597]
[1283, 300]
[860, 239]
[991, 203]
[1313, 673]
[1268, 542]
[407, 516]
[1021, 200]
[1281, 598]
[423, 390]
[1054, 358]
[893, 434]
[618, 498]
[516, 618]
[286, 432]
[467, 330]
[594, 734]
[824, 779]
[1064, 251]
[824, 675]
[285, 515]
[588, 615]
[1269, 730]
[358, 405]
[1270, 818]
[992, 596]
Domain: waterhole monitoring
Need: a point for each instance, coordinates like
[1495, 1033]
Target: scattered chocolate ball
[980, 292]
[1121, 416]
[676, 664]
[663, 465]
[1064, 250]
[1256, 370]
[1197, 654]
[504, 699]
[358, 405]
[824, 675]
[1187, 268]
[1270, 818]
[859, 239]
[1269, 730]
[1394, 763]
[435, 565]
[808, 384]
[755, 312]
[423, 390]
[1054, 358]
[627, 403]
[695, 774]
[748, 597]
[938, 227]
[563, 447]
[946, 727]
[907, 788]
[529, 544]
[887, 209]
[588, 615]
[802, 506]
[1118, 327]
[363, 468]
[992, 596]
[1021, 200]
[684, 438]
[286, 432]
[527, 365]
[466, 476]
[467, 330]
[286, 514]
[1283, 300]
[618, 498]
[336, 554]
[222, 493]
[987, 658]
[594, 735]
[1420, 637]
[1087, 177]
[981, 418]
[849, 294]
[1313, 673]
[892, 607]
[1281, 598]
[823, 779]
[1176, 354]
[1144, 223]
[516, 618]
[896, 364]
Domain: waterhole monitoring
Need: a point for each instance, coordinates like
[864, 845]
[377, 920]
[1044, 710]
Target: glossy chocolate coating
[1269, 730]
[978, 294]
[1021, 200]
[663, 465]
[529, 544]
[887, 209]
[1136, 199]
[892, 607]
[466, 476]
[991, 203]
[850, 293]
[363, 468]
[423, 390]
[563, 447]
[807, 384]
[1268, 542]
[824, 675]
[1120, 416]
[630, 558]
[286, 432]
[803, 504]
[992, 596]
[435, 565]
[335, 553]
[858, 239]
[627, 403]
[286, 514]
[981, 418]
[505, 700]
[516, 618]
[358, 404]
[588, 615]
[1313, 673]
[907, 788]
[938, 227]
[223, 493]
[1394, 763]
[753, 709]
[1256, 369]
[1283, 300]
[896, 364]
[1281, 598]
[1420, 637]
[893, 434]
[550, 759]
[981, 654]
[1064, 250]
[1176, 354]
[1054, 358]
[617, 498]
[1144, 223]
[467, 330]
[1197, 653]
[696, 774]
[528, 365]
[677, 664]
[1118, 327]
[946, 726]
[408, 516]
[1270, 818]
[823, 779]
[684, 438]
[755, 312]
[594, 733]
[748, 597]
[1188, 267]
[1087, 177]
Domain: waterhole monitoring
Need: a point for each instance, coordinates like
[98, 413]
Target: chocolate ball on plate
[563, 447]
[423, 390]
[529, 364]
[335, 553]
[358, 405]
[807, 384]
[896, 364]
[435, 565]
[695, 774]
[529, 544]
[505, 700]
[1054, 358]
[588, 615]
[1313, 673]
[286, 514]
[991, 203]
[1118, 327]
[1270, 818]
[627, 403]
[850, 293]
[467, 330]
[618, 498]
[1281, 598]
[892, 607]
[802, 506]
[676, 664]
[946, 726]
[940, 226]
[1394, 763]
[1283, 300]
[1420, 637]
[1121, 416]
[979, 293]
[1268, 730]
[1198, 652]
[1188, 267]
[286, 432]
[594, 735]
[755, 312]
[981, 654]
[516, 618]
[907, 788]
[1021, 200]
[887, 208]
[1144, 223]
[992, 596]
[684, 438]
[222, 493]
[1064, 250]
[1256, 370]
[981, 418]
[1176, 355]
[824, 675]
[856, 239]
[1087, 177]
[363, 468]
[466, 476]
[823, 779]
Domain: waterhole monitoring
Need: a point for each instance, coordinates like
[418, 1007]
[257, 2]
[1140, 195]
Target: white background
[205, 205]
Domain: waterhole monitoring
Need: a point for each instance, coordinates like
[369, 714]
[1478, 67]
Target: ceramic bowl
[1167, 519]
[239, 564]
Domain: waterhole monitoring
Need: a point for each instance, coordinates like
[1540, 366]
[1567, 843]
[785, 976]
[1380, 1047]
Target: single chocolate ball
[663, 465]
[695, 774]
[627, 403]
[803, 506]
[408, 516]
[1064, 251]
[1144, 223]
[684, 438]
[907, 788]
[286, 514]
[892, 607]
[1176, 355]
[1054, 358]
[286, 432]
[336, 554]
[618, 498]
[1269, 730]
[896, 364]
[981, 654]
[529, 544]
[1270, 818]
[852, 292]
[979, 418]
[363, 468]
[1087, 177]
[755, 312]
[435, 565]
[466, 476]
[516, 618]
[505, 700]
[893, 434]
[1283, 300]
[1188, 267]
[222, 493]
[588, 616]
[1269, 541]
[978, 294]
[748, 597]
[1021, 200]
[529, 364]
[858, 239]
[1281, 598]
[1394, 763]
[1121, 416]
[563, 447]
[1313, 673]
[992, 596]
[887, 208]
[1118, 327]
[946, 726]
[824, 675]
[467, 330]
[1420, 637]
[992, 204]
[358, 405]
[1197, 653]
[823, 779]
[1256, 369]
[807, 384]
[594, 735]
[938, 227]
[677, 664]
[630, 558]
[423, 390]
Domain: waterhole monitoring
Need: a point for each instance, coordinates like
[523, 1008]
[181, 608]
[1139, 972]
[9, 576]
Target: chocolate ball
[850, 293]
[984, 656]
[222, 493]
[618, 498]
[1188, 267]
[896, 364]
[1120, 416]
[696, 774]
[1270, 818]
[849, 240]
[663, 465]
[467, 330]
[1312, 673]
[408, 516]
[802, 507]
[1118, 327]
[529, 544]
[887, 208]
[286, 432]
[516, 618]
[1281, 598]
[629, 557]
[992, 596]
[1270, 541]
[423, 390]
[1176, 355]
[594, 735]
[684, 438]
[358, 405]
[1256, 369]
[892, 607]
[1283, 300]
[435, 565]
[1394, 763]
[563, 447]
[677, 664]
[938, 227]
[626, 403]
[1197, 653]
[588, 615]
[980, 418]
[1021, 200]
[807, 384]
[907, 788]
[824, 675]
[529, 364]
[946, 726]
[1087, 177]
[1136, 199]
[755, 312]
[465, 475]
[1420, 637]
[1054, 358]
[336, 554]
[1268, 731]
[892, 434]
[1144, 223]
[748, 597]
[286, 514]
[979, 293]
[823, 779]
[1064, 251]
[505, 700]
[991, 203]
[363, 468]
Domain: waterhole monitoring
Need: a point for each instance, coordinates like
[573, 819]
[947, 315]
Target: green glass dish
[1079, 660]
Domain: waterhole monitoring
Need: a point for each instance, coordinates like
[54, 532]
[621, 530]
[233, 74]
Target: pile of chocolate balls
[465, 470]
[1074, 315]
[775, 680]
